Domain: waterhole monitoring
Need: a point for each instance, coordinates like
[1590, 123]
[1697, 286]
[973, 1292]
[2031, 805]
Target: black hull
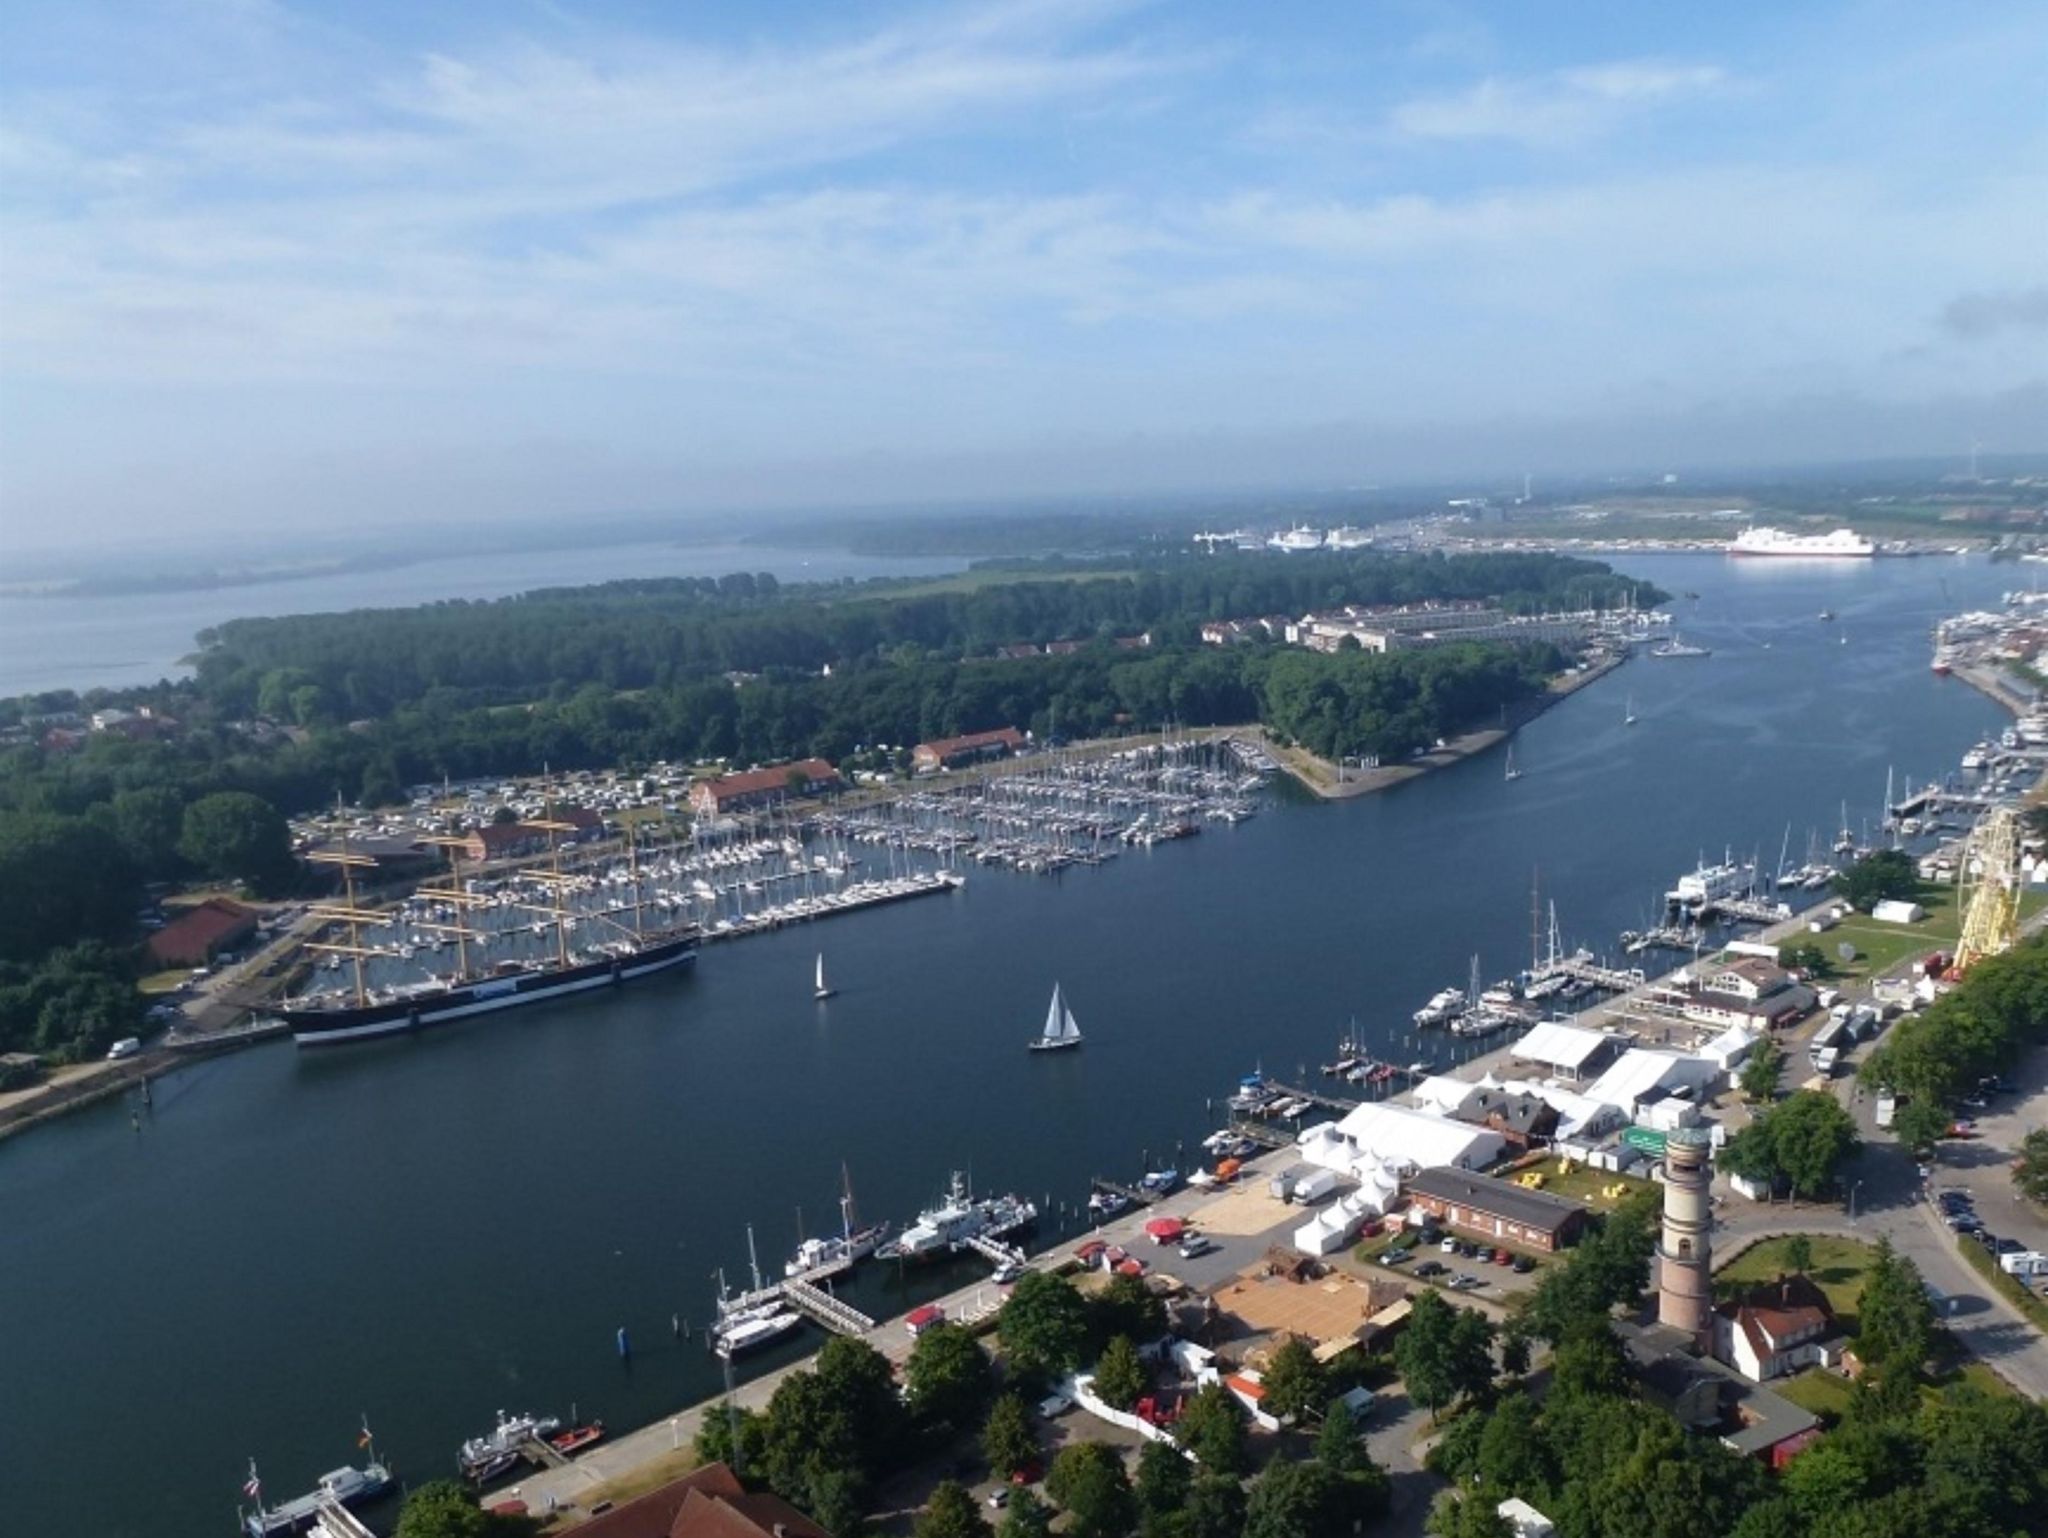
[333, 1027]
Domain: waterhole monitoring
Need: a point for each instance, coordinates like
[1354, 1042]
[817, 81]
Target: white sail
[821, 971]
[1052, 1017]
[1060, 1029]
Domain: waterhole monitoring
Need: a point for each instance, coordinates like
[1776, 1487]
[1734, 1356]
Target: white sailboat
[1628, 712]
[822, 990]
[1060, 1030]
[1513, 773]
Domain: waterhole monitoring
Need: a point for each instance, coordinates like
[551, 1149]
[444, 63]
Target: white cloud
[1563, 107]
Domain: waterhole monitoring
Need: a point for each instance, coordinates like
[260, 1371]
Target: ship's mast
[347, 912]
[457, 898]
[554, 830]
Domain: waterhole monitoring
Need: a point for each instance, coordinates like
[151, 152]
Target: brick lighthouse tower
[1685, 1291]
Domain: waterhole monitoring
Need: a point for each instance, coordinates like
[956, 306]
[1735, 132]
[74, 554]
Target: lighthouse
[1685, 1291]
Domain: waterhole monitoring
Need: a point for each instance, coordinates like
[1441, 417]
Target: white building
[1569, 1051]
[1378, 1140]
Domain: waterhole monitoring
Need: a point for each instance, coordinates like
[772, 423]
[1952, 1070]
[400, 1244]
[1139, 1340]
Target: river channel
[429, 1230]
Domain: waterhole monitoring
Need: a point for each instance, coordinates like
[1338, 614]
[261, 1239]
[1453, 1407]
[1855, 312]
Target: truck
[1887, 1108]
[1315, 1185]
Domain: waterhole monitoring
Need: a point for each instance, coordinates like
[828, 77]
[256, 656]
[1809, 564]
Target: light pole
[1858, 1186]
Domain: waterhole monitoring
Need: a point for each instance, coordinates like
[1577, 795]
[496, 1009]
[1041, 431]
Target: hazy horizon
[276, 267]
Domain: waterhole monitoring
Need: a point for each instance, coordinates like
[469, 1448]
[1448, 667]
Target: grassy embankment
[1881, 947]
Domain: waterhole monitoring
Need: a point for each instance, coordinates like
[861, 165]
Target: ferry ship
[1768, 541]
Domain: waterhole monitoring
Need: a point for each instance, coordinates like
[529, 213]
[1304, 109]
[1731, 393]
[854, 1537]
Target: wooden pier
[841, 1318]
[1316, 1097]
[1604, 977]
[993, 1250]
[541, 1453]
[334, 1520]
[1135, 1195]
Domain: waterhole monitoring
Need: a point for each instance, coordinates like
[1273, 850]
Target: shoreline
[1330, 782]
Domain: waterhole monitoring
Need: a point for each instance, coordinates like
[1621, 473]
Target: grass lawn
[2029, 1303]
[1881, 947]
[1838, 1266]
[1582, 1184]
[649, 1476]
[1823, 1392]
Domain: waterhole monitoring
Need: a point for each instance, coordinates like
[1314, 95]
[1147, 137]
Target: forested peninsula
[287, 714]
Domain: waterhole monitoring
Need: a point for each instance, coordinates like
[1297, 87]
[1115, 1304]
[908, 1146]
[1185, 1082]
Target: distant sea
[115, 642]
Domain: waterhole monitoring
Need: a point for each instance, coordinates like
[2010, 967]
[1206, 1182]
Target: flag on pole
[254, 1488]
[364, 1439]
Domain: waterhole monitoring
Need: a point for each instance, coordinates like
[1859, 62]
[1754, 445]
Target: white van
[127, 1046]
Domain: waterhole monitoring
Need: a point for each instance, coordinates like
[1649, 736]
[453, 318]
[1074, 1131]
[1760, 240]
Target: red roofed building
[952, 752]
[201, 933]
[706, 1503]
[1774, 1329]
[760, 787]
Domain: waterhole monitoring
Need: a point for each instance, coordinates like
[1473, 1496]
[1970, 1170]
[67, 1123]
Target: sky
[267, 265]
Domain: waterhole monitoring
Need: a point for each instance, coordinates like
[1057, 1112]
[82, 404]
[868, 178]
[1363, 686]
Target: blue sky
[262, 261]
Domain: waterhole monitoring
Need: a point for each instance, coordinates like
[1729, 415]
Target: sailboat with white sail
[822, 990]
[1513, 773]
[1628, 712]
[1060, 1031]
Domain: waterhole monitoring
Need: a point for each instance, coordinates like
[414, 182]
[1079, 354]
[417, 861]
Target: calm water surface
[138, 638]
[430, 1230]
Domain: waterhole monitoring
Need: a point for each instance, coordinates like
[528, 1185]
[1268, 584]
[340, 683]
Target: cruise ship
[1300, 537]
[1766, 541]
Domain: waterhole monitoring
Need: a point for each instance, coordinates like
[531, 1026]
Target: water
[138, 638]
[430, 1230]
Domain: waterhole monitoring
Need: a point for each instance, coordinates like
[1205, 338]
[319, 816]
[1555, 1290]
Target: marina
[731, 1087]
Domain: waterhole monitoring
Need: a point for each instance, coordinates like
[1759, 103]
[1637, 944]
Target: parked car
[1465, 1281]
[1431, 1268]
[1198, 1244]
[2008, 1247]
[1400, 1254]
[1449, 1246]
[1523, 1264]
[127, 1046]
[999, 1497]
[1984, 1237]
[1503, 1256]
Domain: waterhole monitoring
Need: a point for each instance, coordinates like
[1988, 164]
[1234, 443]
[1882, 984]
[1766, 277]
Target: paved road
[1890, 1202]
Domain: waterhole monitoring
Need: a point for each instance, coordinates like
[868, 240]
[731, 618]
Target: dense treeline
[637, 671]
[1979, 1028]
[636, 635]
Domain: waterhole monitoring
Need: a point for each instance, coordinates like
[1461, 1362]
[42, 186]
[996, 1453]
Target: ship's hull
[333, 1027]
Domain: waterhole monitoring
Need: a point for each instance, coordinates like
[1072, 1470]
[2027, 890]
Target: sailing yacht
[1628, 712]
[1060, 1030]
[1513, 773]
[822, 990]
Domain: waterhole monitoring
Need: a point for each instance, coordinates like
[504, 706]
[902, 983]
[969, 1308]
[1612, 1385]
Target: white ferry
[1768, 541]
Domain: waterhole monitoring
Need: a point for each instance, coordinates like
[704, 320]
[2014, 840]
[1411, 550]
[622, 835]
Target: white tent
[1379, 1136]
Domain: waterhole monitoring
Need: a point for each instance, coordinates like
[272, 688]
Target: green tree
[1462, 1514]
[234, 834]
[1802, 1140]
[2030, 1170]
[1589, 1360]
[1443, 1352]
[1921, 1123]
[1043, 1325]
[1799, 1254]
[1804, 956]
[1293, 1381]
[951, 1513]
[62, 879]
[1212, 1427]
[833, 1429]
[1007, 1441]
[1760, 1074]
[1088, 1479]
[1126, 1306]
[1886, 874]
[1293, 1500]
[149, 822]
[444, 1509]
[1894, 1319]
[1338, 1447]
[738, 1438]
[1120, 1377]
[948, 1376]
[1514, 1457]
[1164, 1480]
[1215, 1508]
[1027, 1516]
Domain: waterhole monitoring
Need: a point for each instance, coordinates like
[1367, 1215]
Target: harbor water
[427, 1231]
